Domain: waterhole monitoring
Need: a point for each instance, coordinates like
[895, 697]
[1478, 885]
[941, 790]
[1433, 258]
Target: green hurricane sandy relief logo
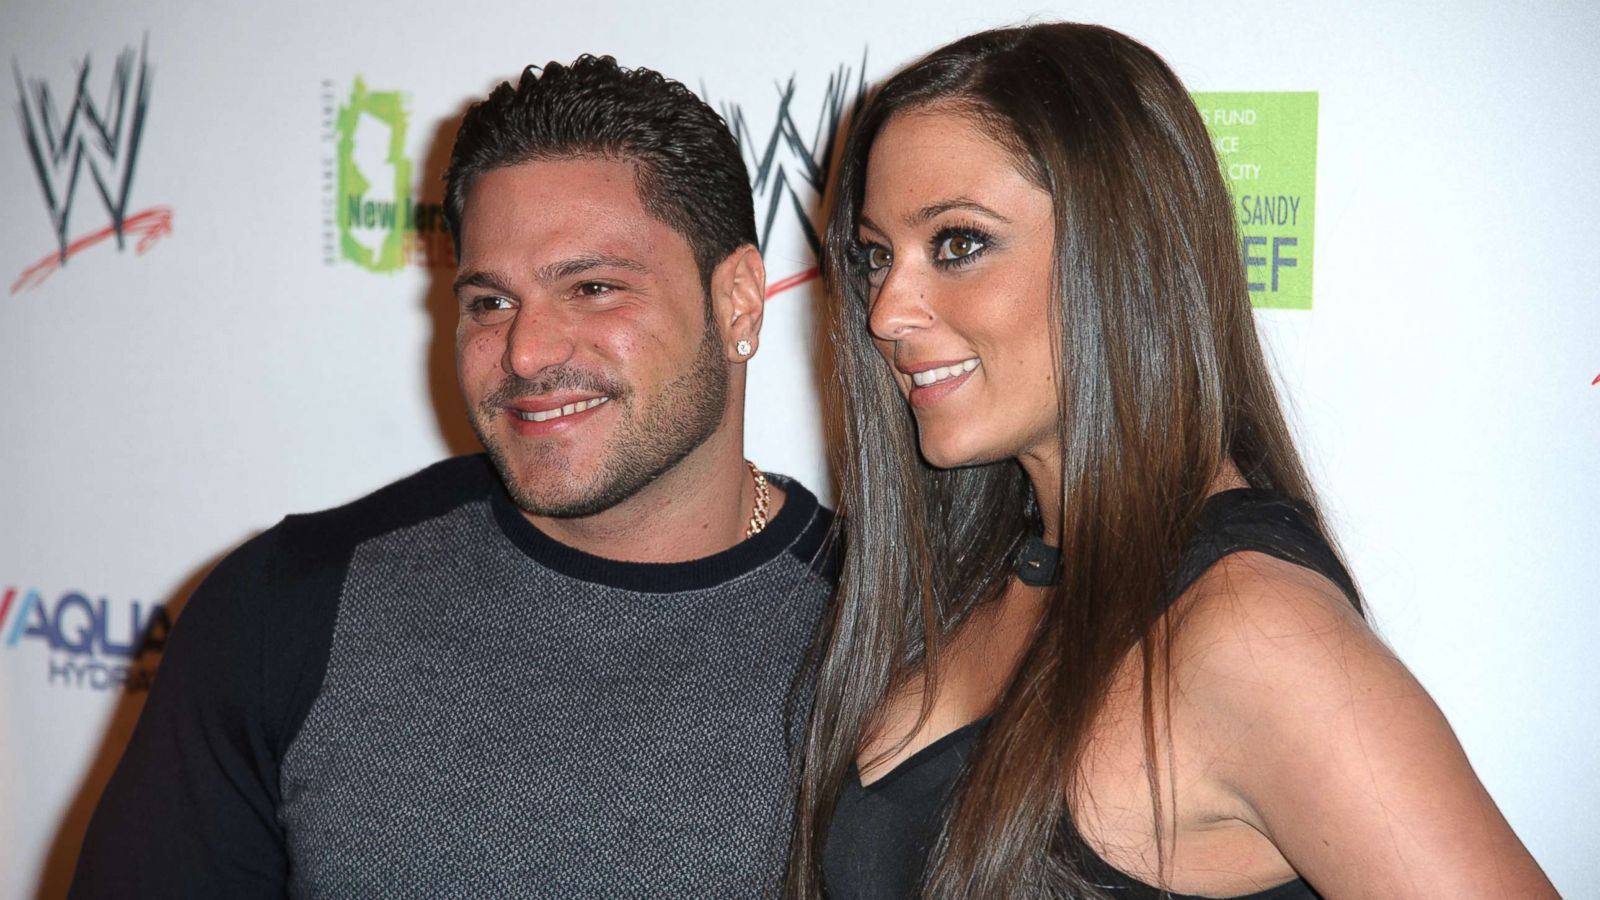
[1267, 143]
[373, 217]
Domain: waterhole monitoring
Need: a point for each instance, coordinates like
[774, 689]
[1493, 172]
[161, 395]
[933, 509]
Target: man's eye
[595, 289]
[489, 304]
[957, 246]
[490, 309]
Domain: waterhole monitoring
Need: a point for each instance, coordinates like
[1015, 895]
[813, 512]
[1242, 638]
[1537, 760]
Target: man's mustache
[564, 378]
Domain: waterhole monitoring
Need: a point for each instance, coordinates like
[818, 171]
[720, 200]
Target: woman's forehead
[930, 159]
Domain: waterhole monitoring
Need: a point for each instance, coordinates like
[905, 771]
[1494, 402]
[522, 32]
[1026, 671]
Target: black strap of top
[1248, 519]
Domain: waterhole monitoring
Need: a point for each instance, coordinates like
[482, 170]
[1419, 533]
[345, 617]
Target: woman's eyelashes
[871, 257]
[958, 245]
[949, 248]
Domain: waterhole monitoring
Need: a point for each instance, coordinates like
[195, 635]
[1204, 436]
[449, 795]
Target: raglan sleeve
[191, 809]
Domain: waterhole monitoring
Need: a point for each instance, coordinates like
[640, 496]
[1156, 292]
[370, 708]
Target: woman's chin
[943, 455]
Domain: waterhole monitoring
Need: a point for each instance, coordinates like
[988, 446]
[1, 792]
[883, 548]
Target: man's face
[583, 348]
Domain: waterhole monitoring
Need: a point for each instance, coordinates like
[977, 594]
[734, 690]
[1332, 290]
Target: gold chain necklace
[758, 516]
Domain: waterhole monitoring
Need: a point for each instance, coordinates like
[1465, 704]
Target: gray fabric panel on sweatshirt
[488, 727]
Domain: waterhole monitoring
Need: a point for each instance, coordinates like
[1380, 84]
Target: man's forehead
[551, 210]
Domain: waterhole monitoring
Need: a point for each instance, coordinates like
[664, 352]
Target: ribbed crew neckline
[791, 530]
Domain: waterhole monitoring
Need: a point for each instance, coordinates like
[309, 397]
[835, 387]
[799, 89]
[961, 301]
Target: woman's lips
[932, 383]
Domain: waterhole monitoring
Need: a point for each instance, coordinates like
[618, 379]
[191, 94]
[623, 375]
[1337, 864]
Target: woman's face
[959, 245]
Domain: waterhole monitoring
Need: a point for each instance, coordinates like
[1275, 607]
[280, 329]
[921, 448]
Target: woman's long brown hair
[1162, 380]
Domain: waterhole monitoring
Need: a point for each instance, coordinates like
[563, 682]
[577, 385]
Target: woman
[1044, 345]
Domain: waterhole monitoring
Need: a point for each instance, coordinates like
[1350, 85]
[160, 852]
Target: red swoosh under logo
[795, 280]
[149, 226]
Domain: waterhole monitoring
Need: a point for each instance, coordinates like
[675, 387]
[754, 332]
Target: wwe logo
[790, 169]
[105, 137]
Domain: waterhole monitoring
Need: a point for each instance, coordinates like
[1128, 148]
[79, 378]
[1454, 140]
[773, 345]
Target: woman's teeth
[545, 415]
[934, 376]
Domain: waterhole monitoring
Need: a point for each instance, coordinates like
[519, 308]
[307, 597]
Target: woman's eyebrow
[940, 207]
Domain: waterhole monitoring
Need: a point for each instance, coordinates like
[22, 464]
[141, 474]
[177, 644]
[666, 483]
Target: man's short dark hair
[690, 175]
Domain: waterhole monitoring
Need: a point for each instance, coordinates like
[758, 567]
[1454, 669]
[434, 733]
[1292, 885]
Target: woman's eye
[877, 257]
[957, 246]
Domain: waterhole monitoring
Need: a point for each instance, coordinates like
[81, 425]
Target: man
[562, 670]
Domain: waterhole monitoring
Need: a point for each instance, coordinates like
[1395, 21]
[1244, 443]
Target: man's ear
[738, 298]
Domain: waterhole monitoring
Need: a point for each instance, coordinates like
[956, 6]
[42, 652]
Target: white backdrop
[161, 407]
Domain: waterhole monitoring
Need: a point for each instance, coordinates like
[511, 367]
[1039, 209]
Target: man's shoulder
[297, 566]
[431, 492]
[317, 545]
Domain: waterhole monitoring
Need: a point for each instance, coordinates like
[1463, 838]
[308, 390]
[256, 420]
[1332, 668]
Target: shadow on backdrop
[438, 299]
[62, 856]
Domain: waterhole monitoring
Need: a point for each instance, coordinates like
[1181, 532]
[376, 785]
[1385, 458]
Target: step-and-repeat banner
[224, 296]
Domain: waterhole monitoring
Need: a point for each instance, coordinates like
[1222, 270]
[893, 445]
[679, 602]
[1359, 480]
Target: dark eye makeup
[958, 245]
[951, 247]
[864, 256]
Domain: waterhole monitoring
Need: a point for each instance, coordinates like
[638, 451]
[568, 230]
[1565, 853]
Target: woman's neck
[1043, 469]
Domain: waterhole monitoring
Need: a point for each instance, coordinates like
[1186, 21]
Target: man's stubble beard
[648, 442]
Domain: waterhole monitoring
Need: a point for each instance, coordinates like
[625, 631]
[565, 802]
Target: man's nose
[536, 340]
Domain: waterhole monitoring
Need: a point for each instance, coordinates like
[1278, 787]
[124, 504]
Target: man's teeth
[545, 415]
[934, 376]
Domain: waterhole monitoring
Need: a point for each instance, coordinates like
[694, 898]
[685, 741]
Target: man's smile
[544, 413]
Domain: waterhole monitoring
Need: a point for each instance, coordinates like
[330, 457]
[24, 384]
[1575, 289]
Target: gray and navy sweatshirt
[422, 694]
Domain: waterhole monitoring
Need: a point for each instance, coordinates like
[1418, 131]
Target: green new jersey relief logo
[1267, 143]
[374, 179]
[374, 215]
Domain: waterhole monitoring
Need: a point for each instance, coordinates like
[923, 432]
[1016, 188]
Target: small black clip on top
[1039, 564]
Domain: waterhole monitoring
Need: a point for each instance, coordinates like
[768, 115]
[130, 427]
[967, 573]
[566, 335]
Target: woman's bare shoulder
[1332, 748]
[1255, 613]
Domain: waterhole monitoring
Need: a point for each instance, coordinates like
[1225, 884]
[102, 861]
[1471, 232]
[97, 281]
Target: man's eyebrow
[556, 271]
[938, 208]
[481, 279]
[577, 265]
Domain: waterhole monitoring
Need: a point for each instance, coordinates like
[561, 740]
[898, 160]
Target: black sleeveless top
[881, 834]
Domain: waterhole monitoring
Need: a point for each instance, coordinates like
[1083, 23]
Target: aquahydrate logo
[789, 169]
[101, 137]
[90, 643]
